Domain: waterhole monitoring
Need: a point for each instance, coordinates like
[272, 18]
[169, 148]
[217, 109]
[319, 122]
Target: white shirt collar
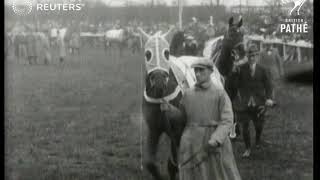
[253, 66]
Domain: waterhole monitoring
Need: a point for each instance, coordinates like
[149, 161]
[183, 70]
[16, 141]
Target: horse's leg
[173, 160]
[152, 147]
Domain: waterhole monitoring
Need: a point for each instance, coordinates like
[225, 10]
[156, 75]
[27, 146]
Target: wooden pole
[180, 4]
[284, 52]
[299, 54]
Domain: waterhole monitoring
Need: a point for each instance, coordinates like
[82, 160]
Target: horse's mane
[155, 93]
[225, 61]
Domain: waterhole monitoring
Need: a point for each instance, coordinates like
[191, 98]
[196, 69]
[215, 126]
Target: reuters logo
[22, 7]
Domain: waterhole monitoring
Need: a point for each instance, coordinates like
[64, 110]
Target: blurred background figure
[271, 59]
[61, 47]
[31, 46]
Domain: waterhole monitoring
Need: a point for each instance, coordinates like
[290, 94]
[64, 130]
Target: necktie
[251, 71]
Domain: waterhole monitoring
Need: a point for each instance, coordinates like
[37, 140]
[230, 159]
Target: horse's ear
[144, 34]
[240, 22]
[231, 21]
[165, 35]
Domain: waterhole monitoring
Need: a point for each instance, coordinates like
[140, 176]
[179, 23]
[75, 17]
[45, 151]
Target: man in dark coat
[254, 94]
[190, 47]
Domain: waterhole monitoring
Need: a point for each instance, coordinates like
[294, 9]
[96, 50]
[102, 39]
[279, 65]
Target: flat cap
[203, 62]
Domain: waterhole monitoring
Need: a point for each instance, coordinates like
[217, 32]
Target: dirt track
[81, 120]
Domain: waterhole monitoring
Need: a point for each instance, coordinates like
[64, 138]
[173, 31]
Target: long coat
[45, 47]
[61, 47]
[31, 42]
[209, 115]
[257, 87]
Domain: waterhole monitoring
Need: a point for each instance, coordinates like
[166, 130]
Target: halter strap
[160, 100]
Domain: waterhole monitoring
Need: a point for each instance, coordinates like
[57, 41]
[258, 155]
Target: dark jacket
[259, 86]
[190, 49]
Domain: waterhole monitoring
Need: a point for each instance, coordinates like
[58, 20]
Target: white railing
[299, 46]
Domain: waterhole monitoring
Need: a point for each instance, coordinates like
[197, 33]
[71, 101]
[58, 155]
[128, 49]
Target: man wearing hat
[255, 93]
[205, 150]
[190, 47]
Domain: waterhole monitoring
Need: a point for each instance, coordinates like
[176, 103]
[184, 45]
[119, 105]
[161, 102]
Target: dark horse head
[232, 48]
[160, 84]
[181, 44]
[176, 45]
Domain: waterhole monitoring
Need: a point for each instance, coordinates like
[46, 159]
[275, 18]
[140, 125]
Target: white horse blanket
[185, 75]
[210, 46]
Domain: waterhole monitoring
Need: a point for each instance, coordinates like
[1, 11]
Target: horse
[164, 81]
[160, 83]
[228, 50]
[116, 39]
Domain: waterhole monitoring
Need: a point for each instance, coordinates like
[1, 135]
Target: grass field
[81, 120]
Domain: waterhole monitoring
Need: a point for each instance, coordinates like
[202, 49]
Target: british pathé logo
[294, 25]
[22, 7]
[297, 5]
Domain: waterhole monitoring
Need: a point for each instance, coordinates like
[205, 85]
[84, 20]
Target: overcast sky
[194, 2]
[191, 2]
[169, 2]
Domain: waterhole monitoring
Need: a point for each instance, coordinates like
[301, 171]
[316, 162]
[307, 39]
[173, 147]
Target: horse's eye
[166, 54]
[148, 55]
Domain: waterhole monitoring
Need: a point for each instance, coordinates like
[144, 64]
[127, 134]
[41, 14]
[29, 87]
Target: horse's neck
[224, 56]
[171, 87]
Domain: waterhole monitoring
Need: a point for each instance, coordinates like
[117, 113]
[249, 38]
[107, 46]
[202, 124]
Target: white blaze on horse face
[156, 47]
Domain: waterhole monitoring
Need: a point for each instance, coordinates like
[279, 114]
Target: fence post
[284, 52]
[299, 54]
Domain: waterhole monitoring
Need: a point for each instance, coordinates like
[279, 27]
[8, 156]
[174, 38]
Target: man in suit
[254, 94]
